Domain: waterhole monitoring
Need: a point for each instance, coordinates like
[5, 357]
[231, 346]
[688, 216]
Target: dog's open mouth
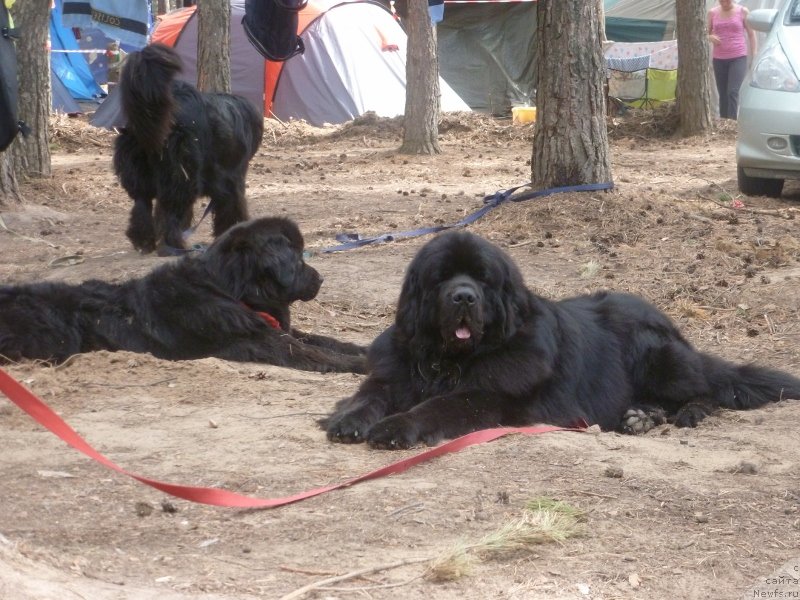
[463, 337]
[463, 332]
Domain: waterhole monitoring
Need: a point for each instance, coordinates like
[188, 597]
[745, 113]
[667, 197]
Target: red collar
[266, 317]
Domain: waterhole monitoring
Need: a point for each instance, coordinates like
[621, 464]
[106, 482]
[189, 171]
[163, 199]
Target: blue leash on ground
[492, 201]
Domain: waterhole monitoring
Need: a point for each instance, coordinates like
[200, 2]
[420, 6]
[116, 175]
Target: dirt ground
[705, 513]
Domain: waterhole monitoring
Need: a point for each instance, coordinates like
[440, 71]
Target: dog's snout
[464, 294]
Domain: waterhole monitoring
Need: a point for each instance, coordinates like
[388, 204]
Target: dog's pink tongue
[463, 333]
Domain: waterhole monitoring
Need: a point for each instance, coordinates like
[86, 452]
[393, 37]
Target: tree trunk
[601, 18]
[9, 190]
[570, 144]
[214, 46]
[421, 120]
[694, 84]
[162, 7]
[32, 153]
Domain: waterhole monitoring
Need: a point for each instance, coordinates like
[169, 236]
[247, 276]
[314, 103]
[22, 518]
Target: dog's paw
[690, 415]
[347, 428]
[357, 363]
[394, 433]
[638, 420]
[143, 238]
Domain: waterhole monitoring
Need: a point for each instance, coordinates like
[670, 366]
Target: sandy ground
[705, 513]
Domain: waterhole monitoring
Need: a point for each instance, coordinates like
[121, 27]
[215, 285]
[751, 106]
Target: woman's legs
[737, 70]
[721, 78]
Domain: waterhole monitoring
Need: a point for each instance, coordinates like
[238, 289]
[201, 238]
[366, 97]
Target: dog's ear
[511, 298]
[409, 306]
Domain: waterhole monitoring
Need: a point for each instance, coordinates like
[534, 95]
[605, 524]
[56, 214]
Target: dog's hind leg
[229, 204]
[173, 216]
[671, 376]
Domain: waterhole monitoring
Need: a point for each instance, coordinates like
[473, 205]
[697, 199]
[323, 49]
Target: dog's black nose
[464, 294]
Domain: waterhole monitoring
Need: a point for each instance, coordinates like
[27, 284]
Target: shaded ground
[696, 514]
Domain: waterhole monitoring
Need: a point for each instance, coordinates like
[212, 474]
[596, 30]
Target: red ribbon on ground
[46, 417]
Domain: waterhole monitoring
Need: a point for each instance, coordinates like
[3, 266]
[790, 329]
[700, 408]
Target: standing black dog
[180, 144]
[231, 302]
[473, 348]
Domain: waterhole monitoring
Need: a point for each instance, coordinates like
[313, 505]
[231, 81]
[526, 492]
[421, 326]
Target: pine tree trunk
[214, 46]
[601, 18]
[32, 153]
[694, 83]
[9, 190]
[570, 144]
[421, 120]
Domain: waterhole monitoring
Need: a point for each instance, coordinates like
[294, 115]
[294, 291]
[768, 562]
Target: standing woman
[727, 25]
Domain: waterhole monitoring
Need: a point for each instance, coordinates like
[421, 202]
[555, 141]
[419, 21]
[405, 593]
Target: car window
[794, 13]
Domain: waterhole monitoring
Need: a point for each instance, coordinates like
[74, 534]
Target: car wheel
[758, 186]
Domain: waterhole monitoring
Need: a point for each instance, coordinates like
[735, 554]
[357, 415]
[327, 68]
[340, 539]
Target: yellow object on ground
[523, 114]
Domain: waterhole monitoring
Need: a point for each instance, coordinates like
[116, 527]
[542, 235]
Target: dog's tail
[746, 386]
[146, 87]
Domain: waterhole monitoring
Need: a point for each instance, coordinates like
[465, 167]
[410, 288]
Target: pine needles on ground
[543, 521]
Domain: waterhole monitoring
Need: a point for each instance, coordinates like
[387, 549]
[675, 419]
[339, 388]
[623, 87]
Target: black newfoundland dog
[178, 145]
[473, 348]
[231, 302]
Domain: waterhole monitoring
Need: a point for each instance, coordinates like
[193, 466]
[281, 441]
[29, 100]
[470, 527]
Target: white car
[768, 140]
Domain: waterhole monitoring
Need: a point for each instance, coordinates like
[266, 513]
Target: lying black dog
[231, 302]
[473, 348]
[178, 145]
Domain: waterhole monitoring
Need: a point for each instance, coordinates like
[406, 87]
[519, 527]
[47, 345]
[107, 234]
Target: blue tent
[62, 99]
[68, 62]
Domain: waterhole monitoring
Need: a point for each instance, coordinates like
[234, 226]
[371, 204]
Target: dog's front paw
[691, 414]
[347, 428]
[394, 433]
[142, 235]
[641, 420]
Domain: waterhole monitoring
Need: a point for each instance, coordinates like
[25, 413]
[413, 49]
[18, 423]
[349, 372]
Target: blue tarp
[70, 67]
[62, 99]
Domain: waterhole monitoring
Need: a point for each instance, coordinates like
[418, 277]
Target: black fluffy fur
[180, 144]
[472, 347]
[193, 307]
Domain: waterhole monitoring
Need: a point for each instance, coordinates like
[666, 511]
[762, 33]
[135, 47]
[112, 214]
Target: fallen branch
[300, 592]
[369, 588]
[783, 212]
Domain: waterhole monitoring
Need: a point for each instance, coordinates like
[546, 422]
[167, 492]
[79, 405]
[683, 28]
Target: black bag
[10, 126]
[271, 26]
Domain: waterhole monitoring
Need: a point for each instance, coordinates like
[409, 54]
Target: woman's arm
[713, 38]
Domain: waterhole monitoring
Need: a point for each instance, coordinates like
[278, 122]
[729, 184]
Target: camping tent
[487, 50]
[354, 62]
[487, 53]
[77, 60]
[69, 65]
